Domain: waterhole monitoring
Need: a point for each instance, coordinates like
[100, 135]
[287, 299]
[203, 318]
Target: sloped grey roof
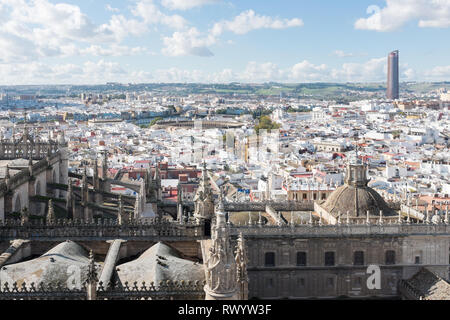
[63, 262]
[159, 263]
[430, 286]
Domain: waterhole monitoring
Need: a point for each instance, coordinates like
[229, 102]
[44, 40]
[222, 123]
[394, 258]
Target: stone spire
[158, 183]
[61, 138]
[92, 278]
[179, 194]
[157, 175]
[446, 214]
[241, 268]
[179, 203]
[149, 175]
[7, 175]
[84, 188]
[143, 193]
[105, 165]
[51, 218]
[137, 208]
[24, 216]
[220, 264]
[69, 197]
[95, 178]
[203, 199]
[30, 163]
[120, 213]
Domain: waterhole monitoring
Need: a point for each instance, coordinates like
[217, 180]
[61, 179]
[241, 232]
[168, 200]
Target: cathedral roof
[160, 263]
[429, 286]
[54, 266]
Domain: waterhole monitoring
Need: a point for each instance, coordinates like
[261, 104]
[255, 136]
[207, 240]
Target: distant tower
[393, 79]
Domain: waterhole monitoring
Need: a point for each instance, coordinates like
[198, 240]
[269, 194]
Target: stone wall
[316, 280]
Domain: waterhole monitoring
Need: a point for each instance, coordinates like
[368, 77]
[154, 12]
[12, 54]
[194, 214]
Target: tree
[266, 123]
[154, 121]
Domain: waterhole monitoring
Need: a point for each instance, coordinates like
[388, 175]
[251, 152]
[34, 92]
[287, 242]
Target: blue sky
[95, 41]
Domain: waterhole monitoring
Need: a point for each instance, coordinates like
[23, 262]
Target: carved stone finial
[7, 174]
[241, 268]
[446, 214]
[51, 213]
[120, 218]
[220, 264]
[427, 216]
[24, 216]
[92, 270]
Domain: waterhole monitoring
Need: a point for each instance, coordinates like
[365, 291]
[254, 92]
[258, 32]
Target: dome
[357, 201]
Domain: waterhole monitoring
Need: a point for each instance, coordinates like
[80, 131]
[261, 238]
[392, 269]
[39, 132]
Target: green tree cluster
[266, 123]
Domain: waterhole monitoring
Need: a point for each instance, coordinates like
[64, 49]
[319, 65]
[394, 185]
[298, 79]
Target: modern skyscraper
[392, 81]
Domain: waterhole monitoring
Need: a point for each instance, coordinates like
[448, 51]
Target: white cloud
[249, 20]
[103, 70]
[306, 71]
[188, 42]
[193, 42]
[150, 13]
[186, 4]
[114, 50]
[439, 73]
[119, 27]
[261, 72]
[177, 75]
[428, 13]
[342, 54]
[372, 70]
[109, 8]
[35, 29]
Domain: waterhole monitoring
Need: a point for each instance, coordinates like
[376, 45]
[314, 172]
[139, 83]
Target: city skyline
[139, 41]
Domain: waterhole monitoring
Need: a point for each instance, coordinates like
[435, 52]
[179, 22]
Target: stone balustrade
[186, 290]
[307, 230]
[63, 229]
[307, 205]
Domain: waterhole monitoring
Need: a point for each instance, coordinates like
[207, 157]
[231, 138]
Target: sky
[221, 41]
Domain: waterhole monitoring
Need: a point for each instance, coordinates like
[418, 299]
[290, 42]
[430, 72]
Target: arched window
[390, 257]
[269, 259]
[358, 258]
